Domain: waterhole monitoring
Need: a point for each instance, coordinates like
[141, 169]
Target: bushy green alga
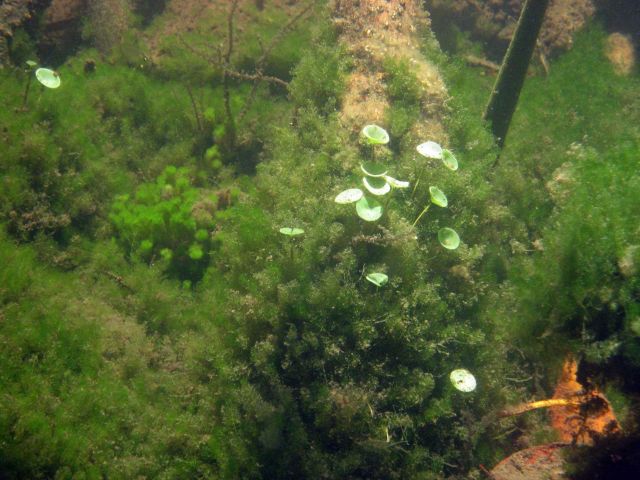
[169, 221]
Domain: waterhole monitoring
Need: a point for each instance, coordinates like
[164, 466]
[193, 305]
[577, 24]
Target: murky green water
[262, 240]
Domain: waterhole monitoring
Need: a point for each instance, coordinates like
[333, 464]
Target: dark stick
[26, 92]
[230, 127]
[513, 71]
[196, 112]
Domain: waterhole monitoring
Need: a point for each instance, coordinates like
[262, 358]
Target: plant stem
[421, 214]
[26, 92]
[415, 187]
[384, 207]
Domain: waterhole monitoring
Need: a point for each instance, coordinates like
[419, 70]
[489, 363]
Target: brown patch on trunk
[373, 31]
[183, 16]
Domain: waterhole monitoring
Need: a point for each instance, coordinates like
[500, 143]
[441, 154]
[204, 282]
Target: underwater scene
[319, 239]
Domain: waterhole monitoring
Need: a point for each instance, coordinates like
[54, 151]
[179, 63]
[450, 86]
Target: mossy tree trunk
[513, 71]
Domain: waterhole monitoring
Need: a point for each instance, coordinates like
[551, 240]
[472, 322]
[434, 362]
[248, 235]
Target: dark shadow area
[149, 9]
[621, 16]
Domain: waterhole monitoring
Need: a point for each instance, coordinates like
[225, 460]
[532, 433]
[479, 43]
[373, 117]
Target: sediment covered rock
[378, 30]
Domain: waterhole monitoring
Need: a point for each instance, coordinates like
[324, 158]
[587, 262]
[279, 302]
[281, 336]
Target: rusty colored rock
[584, 422]
[580, 415]
[543, 462]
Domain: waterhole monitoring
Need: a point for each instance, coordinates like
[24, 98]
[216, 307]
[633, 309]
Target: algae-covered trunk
[506, 90]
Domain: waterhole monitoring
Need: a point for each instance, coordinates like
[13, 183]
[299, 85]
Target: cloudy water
[306, 239]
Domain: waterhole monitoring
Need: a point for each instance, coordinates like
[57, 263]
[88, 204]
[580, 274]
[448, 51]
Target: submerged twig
[119, 280]
[551, 402]
[258, 77]
[225, 70]
[196, 112]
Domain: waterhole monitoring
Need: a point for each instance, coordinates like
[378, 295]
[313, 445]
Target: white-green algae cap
[430, 150]
[349, 196]
[373, 169]
[48, 77]
[438, 197]
[377, 186]
[448, 238]
[369, 209]
[375, 135]
[395, 183]
[463, 380]
[449, 160]
[291, 232]
[378, 279]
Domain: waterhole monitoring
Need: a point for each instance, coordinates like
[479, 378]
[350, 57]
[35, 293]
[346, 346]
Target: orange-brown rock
[583, 422]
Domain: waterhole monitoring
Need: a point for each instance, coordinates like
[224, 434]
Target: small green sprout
[146, 246]
[434, 150]
[395, 183]
[375, 135]
[196, 252]
[376, 181]
[378, 279]
[376, 185]
[449, 160]
[349, 196]
[201, 235]
[373, 169]
[369, 209]
[291, 232]
[47, 77]
[438, 197]
[463, 380]
[448, 238]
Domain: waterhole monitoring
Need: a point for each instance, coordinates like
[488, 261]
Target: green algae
[271, 365]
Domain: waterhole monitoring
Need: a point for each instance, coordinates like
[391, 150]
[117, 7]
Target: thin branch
[118, 279]
[260, 63]
[196, 112]
[225, 66]
[196, 51]
[282, 32]
[232, 12]
[552, 402]
[487, 472]
[257, 78]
